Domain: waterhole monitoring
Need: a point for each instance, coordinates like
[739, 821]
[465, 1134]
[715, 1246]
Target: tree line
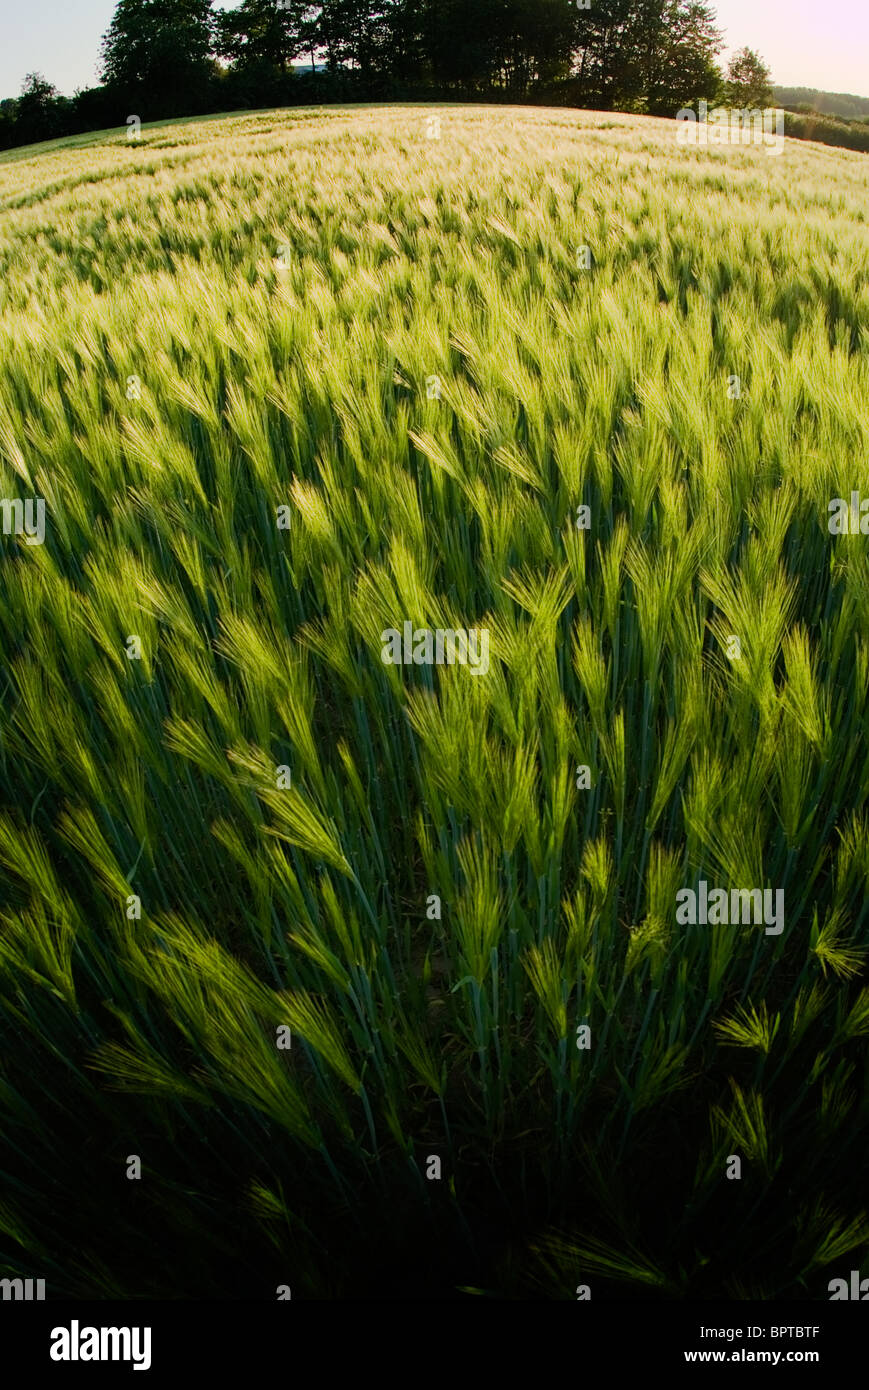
[166, 58]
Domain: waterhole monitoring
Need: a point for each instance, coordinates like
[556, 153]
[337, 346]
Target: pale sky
[807, 43]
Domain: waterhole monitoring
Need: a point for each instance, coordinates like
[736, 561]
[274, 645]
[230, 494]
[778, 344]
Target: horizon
[802, 47]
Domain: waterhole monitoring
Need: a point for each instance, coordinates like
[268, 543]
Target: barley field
[377, 969]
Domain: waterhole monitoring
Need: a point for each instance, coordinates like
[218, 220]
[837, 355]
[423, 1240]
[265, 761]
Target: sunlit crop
[285, 381]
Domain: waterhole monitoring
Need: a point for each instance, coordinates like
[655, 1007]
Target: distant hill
[841, 104]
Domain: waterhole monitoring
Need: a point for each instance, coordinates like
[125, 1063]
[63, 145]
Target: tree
[646, 55]
[615, 44]
[749, 81]
[533, 42]
[459, 45]
[267, 33]
[39, 110]
[357, 34]
[159, 51]
[683, 68]
[8, 126]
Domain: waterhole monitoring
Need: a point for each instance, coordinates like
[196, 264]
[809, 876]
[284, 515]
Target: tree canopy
[164, 58]
[748, 80]
[160, 51]
[636, 54]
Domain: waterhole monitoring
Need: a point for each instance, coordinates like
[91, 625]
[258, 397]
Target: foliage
[159, 52]
[748, 80]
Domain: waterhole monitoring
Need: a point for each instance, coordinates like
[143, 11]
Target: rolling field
[378, 968]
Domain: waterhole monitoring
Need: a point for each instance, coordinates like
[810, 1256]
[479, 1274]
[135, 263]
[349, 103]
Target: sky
[806, 43]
